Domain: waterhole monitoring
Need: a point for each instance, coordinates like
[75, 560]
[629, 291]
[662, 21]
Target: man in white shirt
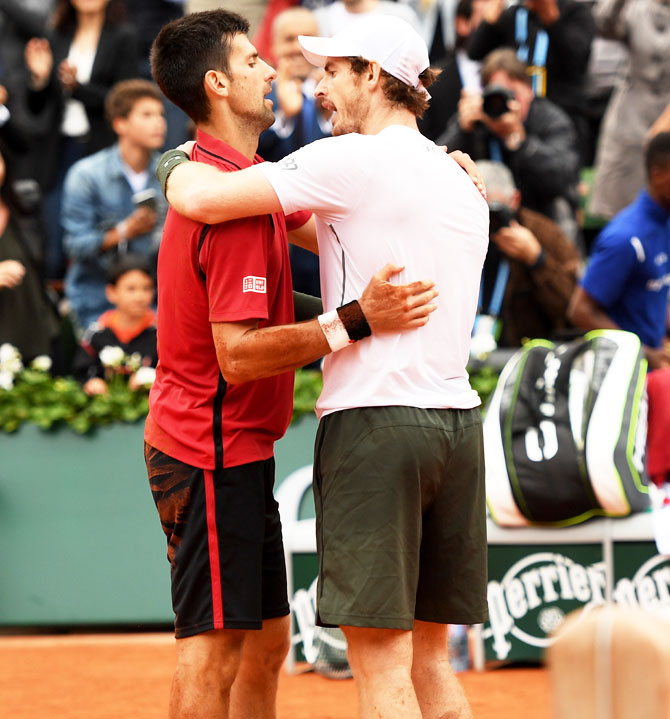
[399, 485]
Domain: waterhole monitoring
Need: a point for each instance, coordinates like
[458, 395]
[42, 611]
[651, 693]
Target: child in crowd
[130, 326]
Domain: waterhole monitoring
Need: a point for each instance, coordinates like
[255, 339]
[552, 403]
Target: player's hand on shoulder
[469, 165]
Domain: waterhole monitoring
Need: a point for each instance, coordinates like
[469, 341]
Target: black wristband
[354, 321]
[169, 160]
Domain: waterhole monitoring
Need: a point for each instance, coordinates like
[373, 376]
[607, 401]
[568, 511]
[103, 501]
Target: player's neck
[658, 197]
[239, 137]
[384, 116]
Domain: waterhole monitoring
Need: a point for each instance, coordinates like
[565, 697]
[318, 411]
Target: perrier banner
[533, 587]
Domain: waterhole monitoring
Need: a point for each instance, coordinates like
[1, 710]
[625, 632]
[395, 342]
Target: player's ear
[216, 83]
[373, 74]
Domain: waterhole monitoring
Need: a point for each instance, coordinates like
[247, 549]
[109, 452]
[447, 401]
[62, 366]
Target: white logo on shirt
[657, 284]
[288, 163]
[660, 259]
[639, 250]
[250, 283]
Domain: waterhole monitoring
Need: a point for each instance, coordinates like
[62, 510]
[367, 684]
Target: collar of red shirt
[224, 151]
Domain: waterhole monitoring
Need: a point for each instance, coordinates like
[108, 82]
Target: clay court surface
[128, 677]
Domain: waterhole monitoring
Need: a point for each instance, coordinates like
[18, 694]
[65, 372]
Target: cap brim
[317, 49]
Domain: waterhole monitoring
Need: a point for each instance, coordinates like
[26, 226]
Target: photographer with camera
[530, 270]
[531, 135]
[553, 36]
[111, 200]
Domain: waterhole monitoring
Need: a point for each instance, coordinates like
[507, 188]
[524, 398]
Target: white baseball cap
[388, 40]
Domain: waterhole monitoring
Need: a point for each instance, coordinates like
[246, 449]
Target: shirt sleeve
[610, 265]
[326, 177]
[297, 219]
[235, 258]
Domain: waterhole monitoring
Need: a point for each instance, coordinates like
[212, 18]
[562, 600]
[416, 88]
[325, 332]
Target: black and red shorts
[224, 543]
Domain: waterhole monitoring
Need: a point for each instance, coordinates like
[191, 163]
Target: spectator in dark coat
[553, 37]
[531, 135]
[28, 320]
[458, 72]
[20, 20]
[543, 264]
[88, 51]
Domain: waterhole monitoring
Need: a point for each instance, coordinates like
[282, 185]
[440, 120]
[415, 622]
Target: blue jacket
[96, 197]
[629, 269]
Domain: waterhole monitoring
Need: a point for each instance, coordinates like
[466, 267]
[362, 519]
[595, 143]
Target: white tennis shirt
[392, 197]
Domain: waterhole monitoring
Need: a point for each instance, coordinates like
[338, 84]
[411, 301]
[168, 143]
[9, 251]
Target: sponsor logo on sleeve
[251, 283]
[288, 163]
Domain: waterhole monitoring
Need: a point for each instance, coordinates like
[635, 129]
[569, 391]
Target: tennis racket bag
[565, 432]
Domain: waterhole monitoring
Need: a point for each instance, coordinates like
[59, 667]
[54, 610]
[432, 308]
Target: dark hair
[398, 92]
[186, 49]
[504, 59]
[128, 262]
[64, 16]
[657, 154]
[122, 97]
[464, 9]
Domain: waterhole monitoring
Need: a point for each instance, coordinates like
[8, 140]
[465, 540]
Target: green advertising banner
[532, 588]
[641, 576]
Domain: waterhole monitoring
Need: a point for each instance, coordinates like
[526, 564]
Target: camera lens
[495, 100]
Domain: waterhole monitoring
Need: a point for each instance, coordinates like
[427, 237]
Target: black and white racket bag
[565, 432]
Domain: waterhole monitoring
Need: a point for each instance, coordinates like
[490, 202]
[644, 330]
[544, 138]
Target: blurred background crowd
[558, 99]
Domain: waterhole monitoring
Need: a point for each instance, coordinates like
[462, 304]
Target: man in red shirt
[223, 392]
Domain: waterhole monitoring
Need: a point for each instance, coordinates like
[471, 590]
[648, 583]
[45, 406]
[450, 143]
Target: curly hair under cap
[398, 92]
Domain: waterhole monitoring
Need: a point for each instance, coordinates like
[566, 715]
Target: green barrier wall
[80, 539]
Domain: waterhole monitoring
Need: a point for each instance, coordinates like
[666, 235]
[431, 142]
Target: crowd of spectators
[537, 90]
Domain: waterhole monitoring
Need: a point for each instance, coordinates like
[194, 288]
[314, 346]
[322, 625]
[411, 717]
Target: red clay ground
[128, 677]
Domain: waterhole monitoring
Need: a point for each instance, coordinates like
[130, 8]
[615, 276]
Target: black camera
[500, 216]
[495, 100]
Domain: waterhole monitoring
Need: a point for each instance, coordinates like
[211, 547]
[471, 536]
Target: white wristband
[334, 330]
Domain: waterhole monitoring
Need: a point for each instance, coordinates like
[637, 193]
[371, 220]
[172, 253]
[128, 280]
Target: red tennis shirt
[234, 271]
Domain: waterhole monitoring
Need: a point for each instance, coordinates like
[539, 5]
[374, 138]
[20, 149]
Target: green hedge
[32, 395]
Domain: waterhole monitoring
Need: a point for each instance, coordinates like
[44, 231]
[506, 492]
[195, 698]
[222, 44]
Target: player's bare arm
[247, 352]
[205, 194]
[305, 236]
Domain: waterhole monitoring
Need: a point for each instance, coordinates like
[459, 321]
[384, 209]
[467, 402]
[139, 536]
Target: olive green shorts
[400, 517]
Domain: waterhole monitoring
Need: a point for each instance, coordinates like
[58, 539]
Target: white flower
[41, 363]
[6, 380]
[13, 365]
[112, 356]
[145, 376]
[134, 362]
[8, 353]
[481, 345]
[483, 342]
